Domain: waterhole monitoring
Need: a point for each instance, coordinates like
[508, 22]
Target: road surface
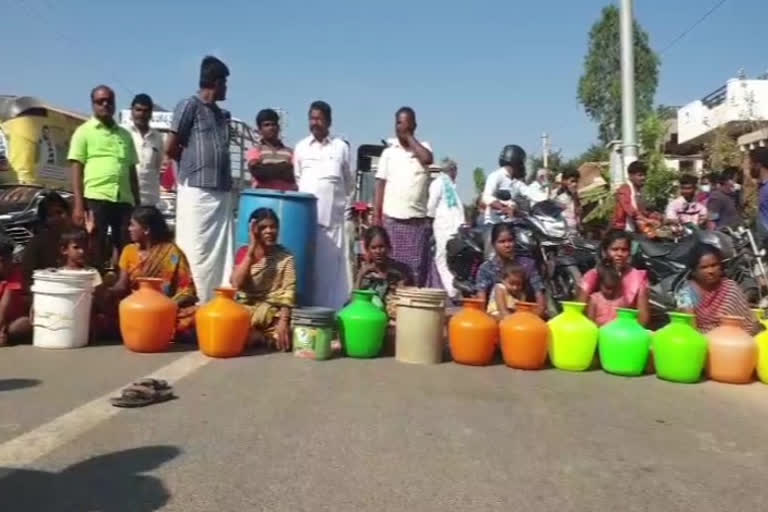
[277, 433]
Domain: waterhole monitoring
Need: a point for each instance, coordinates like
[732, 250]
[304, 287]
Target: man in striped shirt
[270, 161]
[199, 142]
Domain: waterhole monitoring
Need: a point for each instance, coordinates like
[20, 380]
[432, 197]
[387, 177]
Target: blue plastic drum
[297, 212]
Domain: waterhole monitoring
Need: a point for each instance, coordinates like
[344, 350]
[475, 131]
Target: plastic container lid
[64, 275]
[265, 192]
[313, 316]
[412, 296]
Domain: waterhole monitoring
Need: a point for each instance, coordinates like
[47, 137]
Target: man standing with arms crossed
[199, 142]
[104, 178]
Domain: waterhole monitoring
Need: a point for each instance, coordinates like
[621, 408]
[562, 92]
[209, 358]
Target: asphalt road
[276, 433]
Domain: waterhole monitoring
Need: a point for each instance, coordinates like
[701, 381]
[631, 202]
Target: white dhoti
[205, 231]
[442, 234]
[331, 285]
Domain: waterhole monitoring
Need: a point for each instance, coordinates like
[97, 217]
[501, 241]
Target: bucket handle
[57, 319]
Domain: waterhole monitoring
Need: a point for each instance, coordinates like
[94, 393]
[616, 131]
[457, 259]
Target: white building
[737, 106]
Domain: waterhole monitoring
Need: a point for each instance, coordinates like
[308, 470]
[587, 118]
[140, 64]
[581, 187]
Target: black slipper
[141, 396]
[156, 384]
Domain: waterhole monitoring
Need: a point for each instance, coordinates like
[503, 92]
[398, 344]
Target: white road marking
[26, 448]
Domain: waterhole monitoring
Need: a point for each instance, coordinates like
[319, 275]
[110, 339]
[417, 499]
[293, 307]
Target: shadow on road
[107, 483]
[11, 384]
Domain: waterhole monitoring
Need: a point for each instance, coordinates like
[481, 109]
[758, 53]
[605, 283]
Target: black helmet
[512, 155]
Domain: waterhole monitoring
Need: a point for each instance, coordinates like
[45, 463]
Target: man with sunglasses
[104, 180]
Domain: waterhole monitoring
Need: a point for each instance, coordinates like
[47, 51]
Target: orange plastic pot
[732, 352]
[148, 318]
[524, 338]
[473, 334]
[222, 325]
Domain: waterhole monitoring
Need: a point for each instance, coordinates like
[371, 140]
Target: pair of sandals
[144, 392]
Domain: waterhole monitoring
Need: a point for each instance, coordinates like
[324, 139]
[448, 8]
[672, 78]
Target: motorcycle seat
[654, 249]
[674, 251]
[681, 251]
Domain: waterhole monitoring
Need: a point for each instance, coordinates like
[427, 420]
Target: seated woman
[614, 252]
[42, 251]
[710, 295]
[15, 324]
[265, 276]
[491, 272]
[153, 254]
[379, 272]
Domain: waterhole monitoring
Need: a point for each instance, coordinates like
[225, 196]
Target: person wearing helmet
[508, 177]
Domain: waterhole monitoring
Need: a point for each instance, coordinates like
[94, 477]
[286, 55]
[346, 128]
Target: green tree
[661, 181]
[600, 86]
[478, 176]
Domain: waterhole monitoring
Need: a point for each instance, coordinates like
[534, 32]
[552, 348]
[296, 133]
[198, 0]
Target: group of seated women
[264, 272]
[506, 278]
[265, 276]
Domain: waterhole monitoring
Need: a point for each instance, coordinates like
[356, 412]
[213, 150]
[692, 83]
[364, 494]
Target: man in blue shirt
[757, 162]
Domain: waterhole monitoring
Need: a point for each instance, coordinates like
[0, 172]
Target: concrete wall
[739, 100]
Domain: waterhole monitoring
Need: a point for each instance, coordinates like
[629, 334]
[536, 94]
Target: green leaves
[599, 89]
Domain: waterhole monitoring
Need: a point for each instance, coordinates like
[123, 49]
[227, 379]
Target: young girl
[614, 252]
[42, 251]
[508, 292]
[604, 302]
[491, 272]
[379, 272]
[14, 304]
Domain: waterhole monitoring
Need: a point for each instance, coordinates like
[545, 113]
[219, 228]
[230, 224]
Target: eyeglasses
[104, 101]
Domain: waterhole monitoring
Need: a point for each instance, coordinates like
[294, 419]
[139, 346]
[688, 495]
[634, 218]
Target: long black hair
[502, 227]
[49, 199]
[612, 236]
[374, 231]
[699, 251]
[260, 214]
[152, 219]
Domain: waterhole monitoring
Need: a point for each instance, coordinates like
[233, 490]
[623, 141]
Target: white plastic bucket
[420, 325]
[61, 308]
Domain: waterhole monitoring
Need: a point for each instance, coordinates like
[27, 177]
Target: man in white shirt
[149, 150]
[541, 188]
[402, 186]
[322, 167]
[508, 177]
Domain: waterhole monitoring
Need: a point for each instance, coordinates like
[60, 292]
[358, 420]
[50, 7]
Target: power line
[693, 26]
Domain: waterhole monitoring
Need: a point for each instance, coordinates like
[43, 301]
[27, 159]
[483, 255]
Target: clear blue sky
[479, 74]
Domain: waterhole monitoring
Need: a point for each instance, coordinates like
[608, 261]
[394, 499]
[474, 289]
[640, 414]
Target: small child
[508, 292]
[73, 246]
[604, 303]
[379, 272]
[14, 304]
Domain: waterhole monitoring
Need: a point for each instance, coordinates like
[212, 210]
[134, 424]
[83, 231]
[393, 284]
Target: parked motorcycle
[668, 266]
[464, 255]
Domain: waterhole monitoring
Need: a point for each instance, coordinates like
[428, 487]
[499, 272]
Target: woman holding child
[493, 272]
[615, 283]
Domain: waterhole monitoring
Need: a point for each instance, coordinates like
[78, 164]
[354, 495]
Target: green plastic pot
[679, 350]
[624, 344]
[574, 338]
[362, 325]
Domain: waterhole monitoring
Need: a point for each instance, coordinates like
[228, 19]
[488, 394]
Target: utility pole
[628, 124]
[545, 149]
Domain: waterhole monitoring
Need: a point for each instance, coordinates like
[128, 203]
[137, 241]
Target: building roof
[14, 106]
